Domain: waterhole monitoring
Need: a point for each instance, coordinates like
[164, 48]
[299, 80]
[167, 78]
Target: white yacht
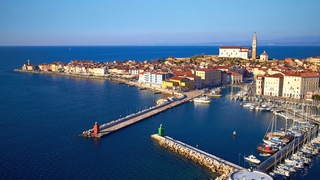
[252, 159]
[202, 99]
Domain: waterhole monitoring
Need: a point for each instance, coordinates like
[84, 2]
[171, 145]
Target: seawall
[215, 164]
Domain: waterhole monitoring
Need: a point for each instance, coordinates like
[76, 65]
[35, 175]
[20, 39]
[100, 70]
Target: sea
[41, 117]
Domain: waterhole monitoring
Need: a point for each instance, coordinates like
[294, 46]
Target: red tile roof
[230, 47]
[278, 75]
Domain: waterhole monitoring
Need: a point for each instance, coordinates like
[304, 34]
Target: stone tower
[254, 47]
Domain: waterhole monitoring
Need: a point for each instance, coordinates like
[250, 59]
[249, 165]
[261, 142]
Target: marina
[207, 127]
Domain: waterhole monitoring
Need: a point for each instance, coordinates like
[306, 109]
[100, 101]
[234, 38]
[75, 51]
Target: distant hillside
[290, 41]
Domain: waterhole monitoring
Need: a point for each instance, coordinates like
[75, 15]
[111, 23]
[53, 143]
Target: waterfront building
[99, 70]
[54, 67]
[166, 84]
[196, 80]
[181, 81]
[225, 77]
[234, 52]
[153, 78]
[28, 66]
[264, 56]
[296, 84]
[236, 78]
[113, 70]
[273, 85]
[254, 47]
[209, 76]
[133, 71]
[314, 60]
[259, 85]
[122, 71]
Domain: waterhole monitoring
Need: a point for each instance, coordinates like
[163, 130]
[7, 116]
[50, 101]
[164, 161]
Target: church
[240, 52]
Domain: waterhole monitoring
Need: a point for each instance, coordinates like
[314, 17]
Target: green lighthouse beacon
[161, 131]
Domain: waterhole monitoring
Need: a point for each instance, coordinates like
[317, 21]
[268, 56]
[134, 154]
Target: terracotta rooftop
[230, 47]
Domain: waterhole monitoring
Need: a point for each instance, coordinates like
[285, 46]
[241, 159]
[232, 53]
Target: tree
[316, 97]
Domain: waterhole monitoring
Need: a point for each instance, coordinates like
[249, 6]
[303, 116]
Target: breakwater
[120, 123]
[214, 163]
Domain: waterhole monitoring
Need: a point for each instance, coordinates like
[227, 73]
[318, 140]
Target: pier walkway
[115, 125]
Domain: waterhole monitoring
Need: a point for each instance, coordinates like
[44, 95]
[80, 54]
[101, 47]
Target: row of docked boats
[258, 106]
[287, 142]
[297, 160]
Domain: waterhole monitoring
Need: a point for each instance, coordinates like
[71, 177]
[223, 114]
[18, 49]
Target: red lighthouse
[96, 129]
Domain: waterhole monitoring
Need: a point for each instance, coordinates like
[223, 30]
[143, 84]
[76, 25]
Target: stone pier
[215, 164]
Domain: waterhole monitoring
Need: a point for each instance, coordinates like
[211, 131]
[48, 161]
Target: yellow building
[113, 70]
[314, 60]
[209, 76]
[169, 84]
[178, 81]
[28, 66]
[99, 70]
[54, 67]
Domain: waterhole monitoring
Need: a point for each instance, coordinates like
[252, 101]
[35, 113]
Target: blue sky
[154, 22]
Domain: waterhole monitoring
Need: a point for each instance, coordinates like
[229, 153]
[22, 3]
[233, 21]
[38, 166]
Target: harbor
[224, 168]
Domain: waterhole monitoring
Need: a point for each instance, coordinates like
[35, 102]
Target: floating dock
[214, 163]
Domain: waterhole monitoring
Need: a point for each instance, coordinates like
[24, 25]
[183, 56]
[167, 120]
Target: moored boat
[202, 99]
[252, 159]
[266, 148]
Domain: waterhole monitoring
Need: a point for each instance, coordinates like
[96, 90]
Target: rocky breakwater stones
[190, 153]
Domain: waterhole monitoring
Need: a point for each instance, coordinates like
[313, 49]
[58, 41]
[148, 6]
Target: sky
[154, 22]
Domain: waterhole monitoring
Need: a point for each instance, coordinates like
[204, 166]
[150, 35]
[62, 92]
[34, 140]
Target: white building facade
[234, 52]
[153, 78]
[296, 84]
[273, 85]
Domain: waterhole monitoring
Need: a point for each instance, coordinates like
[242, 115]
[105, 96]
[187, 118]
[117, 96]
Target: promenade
[113, 126]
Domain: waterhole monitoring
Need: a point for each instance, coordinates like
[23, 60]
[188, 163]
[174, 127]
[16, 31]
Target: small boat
[252, 159]
[264, 154]
[202, 99]
[263, 148]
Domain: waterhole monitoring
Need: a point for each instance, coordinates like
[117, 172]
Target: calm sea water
[42, 115]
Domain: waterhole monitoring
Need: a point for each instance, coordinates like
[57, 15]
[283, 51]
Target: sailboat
[268, 146]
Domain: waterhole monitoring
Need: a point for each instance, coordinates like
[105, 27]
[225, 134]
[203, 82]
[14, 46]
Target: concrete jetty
[120, 123]
[214, 163]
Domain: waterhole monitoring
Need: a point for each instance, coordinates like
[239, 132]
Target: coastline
[109, 77]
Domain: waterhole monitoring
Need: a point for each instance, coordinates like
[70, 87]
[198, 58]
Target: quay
[118, 124]
[292, 147]
[214, 163]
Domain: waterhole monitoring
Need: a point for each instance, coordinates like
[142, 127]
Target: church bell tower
[254, 47]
